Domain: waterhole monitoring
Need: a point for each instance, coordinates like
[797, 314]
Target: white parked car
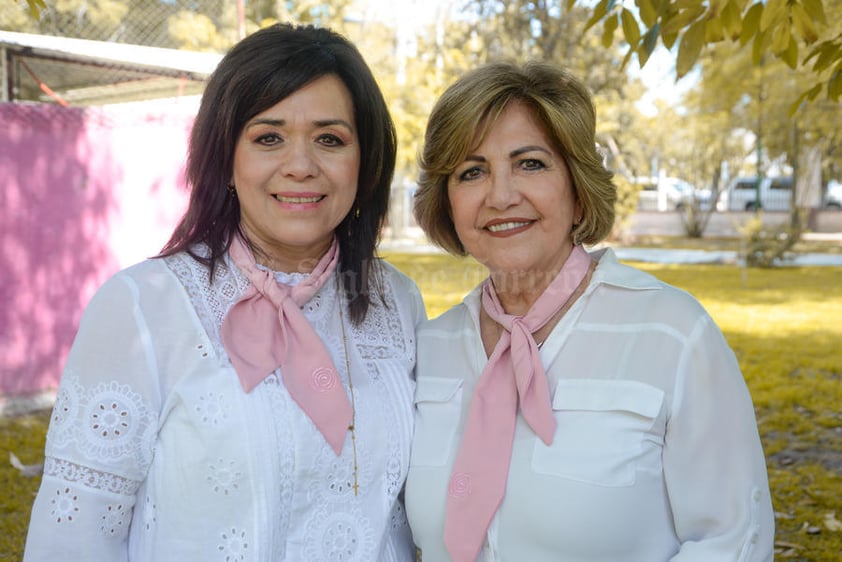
[775, 194]
[833, 198]
[664, 194]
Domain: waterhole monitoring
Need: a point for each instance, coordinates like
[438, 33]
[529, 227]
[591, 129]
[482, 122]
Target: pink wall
[83, 193]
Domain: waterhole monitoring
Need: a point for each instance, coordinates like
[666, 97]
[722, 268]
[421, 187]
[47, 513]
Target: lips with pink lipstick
[508, 226]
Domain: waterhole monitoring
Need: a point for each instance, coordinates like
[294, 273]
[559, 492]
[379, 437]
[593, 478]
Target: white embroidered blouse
[156, 454]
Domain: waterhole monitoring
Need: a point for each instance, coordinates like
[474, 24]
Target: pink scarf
[266, 329]
[514, 372]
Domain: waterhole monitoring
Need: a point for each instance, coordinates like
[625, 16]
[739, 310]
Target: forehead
[514, 124]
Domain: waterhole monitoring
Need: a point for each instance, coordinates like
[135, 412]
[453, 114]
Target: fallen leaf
[831, 522]
[25, 469]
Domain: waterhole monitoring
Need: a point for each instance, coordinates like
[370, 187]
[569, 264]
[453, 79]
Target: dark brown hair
[258, 72]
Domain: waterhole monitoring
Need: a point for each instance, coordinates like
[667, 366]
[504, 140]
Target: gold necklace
[351, 387]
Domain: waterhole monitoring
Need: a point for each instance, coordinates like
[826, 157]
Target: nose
[502, 192]
[298, 160]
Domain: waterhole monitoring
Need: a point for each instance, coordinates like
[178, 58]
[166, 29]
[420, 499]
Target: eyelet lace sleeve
[101, 436]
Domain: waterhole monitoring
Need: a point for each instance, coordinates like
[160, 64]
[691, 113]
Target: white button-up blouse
[656, 456]
[156, 454]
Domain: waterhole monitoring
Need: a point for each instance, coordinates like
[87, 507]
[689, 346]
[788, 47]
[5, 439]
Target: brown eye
[470, 174]
[330, 140]
[532, 164]
[269, 139]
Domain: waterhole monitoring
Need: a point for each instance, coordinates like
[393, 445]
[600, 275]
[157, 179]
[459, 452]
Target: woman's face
[295, 171]
[512, 198]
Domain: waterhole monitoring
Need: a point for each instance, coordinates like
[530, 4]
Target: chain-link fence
[152, 23]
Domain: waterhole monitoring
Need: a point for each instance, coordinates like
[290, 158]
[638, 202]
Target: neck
[518, 290]
[287, 259]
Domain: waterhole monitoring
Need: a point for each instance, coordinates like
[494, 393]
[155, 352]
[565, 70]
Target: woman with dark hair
[571, 407]
[247, 394]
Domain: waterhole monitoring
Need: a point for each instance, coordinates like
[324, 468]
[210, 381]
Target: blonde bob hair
[469, 107]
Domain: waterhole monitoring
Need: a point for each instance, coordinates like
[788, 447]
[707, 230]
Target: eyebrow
[516, 152]
[282, 122]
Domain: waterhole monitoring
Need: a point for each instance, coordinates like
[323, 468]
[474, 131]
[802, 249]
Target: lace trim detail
[89, 478]
[211, 302]
[381, 334]
[106, 422]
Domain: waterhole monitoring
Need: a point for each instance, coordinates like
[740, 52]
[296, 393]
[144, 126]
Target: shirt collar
[609, 271]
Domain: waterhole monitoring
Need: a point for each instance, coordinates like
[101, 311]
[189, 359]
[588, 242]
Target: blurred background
[98, 97]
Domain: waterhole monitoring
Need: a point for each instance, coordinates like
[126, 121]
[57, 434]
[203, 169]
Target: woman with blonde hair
[571, 407]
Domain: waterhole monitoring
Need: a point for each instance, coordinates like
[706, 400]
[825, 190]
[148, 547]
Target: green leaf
[828, 53]
[650, 40]
[816, 10]
[774, 12]
[790, 55]
[630, 28]
[834, 84]
[648, 14]
[714, 8]
[682, 19]
[669, 39]
[751, 23]
[780, 38]
[713, 30]
[35, 7]
[628, 57]
[808, 94]
[608, 27]
[688, 4]
[758, 48]
[642, 55]
[598, 12]
[569, 5]
[731, 22]
[690, 48]
[803, 24]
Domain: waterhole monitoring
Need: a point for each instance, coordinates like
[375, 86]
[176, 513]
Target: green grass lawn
[784, 324]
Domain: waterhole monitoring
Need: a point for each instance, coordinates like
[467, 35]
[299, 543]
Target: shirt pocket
[438, 408]
[602, 426]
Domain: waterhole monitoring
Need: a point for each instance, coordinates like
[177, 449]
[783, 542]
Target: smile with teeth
[503, 226]
[312, 199]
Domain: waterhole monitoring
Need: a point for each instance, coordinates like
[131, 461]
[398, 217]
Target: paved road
[727, 225]
[703, 256]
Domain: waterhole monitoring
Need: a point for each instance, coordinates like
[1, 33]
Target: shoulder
[135, 276]
[147, 281]
[641, 295]
[459, 317]
[395, 277]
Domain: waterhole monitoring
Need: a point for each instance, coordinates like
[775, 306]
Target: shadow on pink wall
[85, 192]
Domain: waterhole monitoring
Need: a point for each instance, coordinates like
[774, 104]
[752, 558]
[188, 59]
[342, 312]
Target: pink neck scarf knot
[266, 329]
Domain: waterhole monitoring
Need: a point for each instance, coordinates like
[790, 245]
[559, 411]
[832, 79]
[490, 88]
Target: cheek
[458, 211]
